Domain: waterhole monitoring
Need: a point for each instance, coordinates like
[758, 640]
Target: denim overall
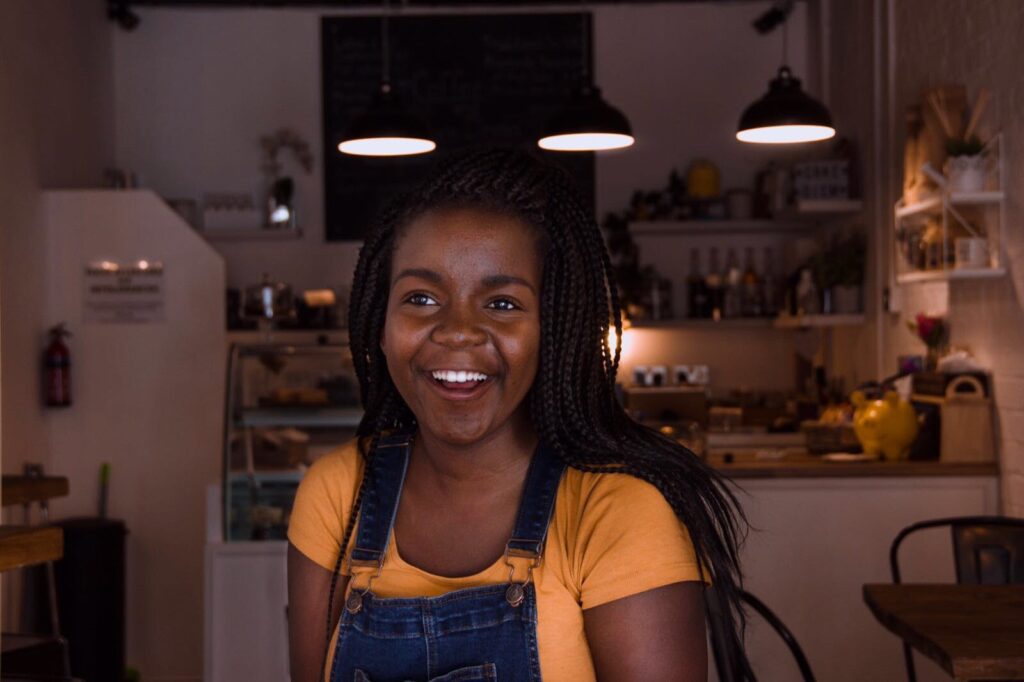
[481, 633]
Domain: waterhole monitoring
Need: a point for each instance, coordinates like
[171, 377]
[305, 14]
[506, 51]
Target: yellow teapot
[887, 426]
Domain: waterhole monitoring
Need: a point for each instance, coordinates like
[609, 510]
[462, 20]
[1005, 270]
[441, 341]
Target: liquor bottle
[713, 280]
[731, 304]
[770, 289]
[752, 301]
[697, 288]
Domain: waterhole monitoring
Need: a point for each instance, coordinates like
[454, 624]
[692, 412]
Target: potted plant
[839, 269]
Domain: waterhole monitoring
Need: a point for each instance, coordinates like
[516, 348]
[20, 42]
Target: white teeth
[459, 377]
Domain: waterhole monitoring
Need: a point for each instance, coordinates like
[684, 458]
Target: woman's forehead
[457, 234]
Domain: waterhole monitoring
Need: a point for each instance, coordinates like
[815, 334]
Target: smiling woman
[500, 517]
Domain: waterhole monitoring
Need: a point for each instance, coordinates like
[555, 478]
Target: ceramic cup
[971, 252]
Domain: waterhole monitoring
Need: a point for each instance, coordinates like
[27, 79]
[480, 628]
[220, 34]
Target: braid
[572, 402]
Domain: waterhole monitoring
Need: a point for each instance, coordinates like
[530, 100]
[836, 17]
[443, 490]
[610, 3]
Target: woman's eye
[420, 299]
[503, 304]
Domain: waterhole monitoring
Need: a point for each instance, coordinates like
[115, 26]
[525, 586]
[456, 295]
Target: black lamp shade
[386, 129]
[587, 123]
[785, 114]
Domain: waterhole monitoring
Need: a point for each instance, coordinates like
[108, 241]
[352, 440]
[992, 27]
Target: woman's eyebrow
[422, 273]
[500, 280]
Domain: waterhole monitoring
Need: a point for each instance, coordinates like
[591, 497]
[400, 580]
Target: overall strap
[385, 475]
[538, 504]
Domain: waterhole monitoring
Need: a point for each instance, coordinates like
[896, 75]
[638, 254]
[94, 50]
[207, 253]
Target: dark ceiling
[398, 4]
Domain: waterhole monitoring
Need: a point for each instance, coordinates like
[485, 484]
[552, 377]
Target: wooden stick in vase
[977, 111]
[934, 101]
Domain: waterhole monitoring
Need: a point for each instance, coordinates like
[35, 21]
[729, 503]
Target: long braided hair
[572, 402]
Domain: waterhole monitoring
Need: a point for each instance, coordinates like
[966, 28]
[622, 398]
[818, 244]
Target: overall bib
[481, 633]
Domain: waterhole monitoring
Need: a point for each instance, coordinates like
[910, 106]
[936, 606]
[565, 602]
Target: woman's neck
[498, 461]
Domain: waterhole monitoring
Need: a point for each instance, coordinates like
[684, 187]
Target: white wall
[975, 43]
[197, 88]
[150, 401]
[56, 130]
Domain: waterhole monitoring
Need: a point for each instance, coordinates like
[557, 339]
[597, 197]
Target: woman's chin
[458, 433]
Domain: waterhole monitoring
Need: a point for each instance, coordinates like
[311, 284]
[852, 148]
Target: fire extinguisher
[57, 363]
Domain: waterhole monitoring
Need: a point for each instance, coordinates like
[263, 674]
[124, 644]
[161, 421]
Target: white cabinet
[816, 541]
[246, 624]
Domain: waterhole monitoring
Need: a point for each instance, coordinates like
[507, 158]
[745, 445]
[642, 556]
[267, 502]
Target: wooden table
[26, 489]
[974, 632]
[26, 546]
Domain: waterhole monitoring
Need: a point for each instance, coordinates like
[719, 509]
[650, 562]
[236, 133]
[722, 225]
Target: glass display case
[286, 406]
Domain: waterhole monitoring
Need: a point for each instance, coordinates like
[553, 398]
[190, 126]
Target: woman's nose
[459, 327]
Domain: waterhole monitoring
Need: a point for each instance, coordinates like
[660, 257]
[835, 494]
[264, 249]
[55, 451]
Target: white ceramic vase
[966, 173]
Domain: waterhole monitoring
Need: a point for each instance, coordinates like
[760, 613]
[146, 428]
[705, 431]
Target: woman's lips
[458, 391]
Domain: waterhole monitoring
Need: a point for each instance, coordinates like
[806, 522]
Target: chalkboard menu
[489, 79]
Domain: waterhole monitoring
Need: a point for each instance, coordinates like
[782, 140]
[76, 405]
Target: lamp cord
[584, 46]
[385, 70]
[785, 42]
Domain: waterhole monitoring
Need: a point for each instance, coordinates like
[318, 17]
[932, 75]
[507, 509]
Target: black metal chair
[987, 550]
[730, 657]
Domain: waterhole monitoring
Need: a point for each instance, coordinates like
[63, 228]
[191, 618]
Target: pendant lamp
[787, 114]
[386, 128]
[588, 122]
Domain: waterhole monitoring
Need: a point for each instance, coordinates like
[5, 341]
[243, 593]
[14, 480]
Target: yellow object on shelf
[702, 180]
[887, 426]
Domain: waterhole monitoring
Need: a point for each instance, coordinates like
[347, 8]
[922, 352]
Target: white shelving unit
[946, 205]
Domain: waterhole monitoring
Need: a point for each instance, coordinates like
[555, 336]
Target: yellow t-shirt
[611, 536]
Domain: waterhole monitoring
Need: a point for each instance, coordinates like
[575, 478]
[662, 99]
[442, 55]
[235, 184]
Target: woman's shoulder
[620, 536]
[323, 503]
[597, 492]
[344, 462]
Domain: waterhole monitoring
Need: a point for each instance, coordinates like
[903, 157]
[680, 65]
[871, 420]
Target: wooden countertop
[975, 632]
[807, 466]
[28, 545]
[24, 489]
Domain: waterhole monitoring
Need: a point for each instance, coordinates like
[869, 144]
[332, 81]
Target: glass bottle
[752, 303]
[697, 302]
[713, 280]
[731, 303]
[770, 289]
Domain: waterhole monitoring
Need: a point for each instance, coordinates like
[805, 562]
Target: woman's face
[462, 331]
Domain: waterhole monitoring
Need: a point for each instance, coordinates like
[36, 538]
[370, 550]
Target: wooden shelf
[780, 322]
[806, 321]
[26, 546]
[18, 490]
[951, 274]
[665, 228]
[698, 323]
